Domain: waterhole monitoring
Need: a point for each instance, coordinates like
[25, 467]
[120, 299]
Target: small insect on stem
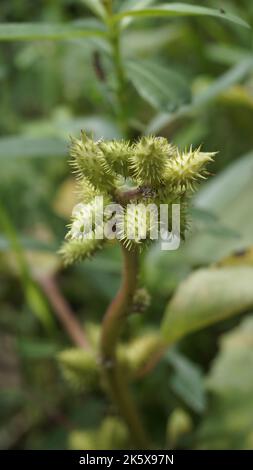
[222, 11]
[98, 67]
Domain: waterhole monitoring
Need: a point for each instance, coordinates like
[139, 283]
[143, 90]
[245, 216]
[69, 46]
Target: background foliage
[189, 79]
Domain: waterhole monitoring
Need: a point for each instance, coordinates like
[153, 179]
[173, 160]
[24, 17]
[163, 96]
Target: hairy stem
[113, 324]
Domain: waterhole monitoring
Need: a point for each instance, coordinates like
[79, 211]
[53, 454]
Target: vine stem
[112, 326]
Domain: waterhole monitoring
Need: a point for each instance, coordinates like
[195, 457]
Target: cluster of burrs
[148, 172]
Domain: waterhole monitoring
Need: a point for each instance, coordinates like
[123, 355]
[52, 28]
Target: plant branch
[108, 6]
[113, 324]
[63, 311]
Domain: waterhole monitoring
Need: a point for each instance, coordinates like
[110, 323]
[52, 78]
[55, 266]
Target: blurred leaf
[204, 97]
[192, 133]
[208, 221]
[148, 41]
[135, 4]
[229, 196]
[100, 126]
[228, 423]
[28, 243]
[34, 297]
[187, 381]
[163, 88]
[203, 215]
[206, 297]
[10, 398]
[227, 54]
[229, 373]
[238, 258]
[46, 31]
[36, 350]
[10, 233]
[39, 306]
[22, 146]
[181, 9]
[234, 75]
[164, 270]
[50, 138]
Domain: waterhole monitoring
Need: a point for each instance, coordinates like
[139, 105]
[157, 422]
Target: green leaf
[187, 381]
[209, 221]
[47, 31]
[50, 138]
[229, 196]
[163, 88]
[206, 297]
[180, 9]
[234, 75]
[34, 297]
[135, 4]
[96, 6]
[228, 421]
[227, 54]
[29, 244]
[22, 146]
[36, 350]
[144, 42]
[229, 373]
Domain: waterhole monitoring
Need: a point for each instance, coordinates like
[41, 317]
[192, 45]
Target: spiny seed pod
[88, 219]
[88, 161]
[79, 368]
[149, 160]
[141, 300]
[86, 191]
[148, 173]
[138, 226]
[117, 155]
[76, 250]
[185, 169]
[167, 214]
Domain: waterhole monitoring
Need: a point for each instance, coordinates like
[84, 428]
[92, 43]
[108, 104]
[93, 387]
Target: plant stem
[111, 329]
[108, 6]
[115, 42]
[115, 315]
